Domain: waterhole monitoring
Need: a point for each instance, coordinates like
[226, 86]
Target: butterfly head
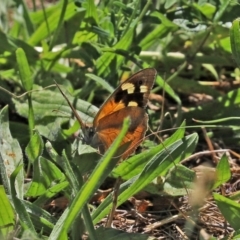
[88, 134]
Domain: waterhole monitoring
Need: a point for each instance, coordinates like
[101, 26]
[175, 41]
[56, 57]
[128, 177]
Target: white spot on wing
[132, 104]
[143, 88]
[129, 87]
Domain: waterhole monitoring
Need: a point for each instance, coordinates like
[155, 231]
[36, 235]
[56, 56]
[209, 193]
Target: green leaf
[91, 11]
[45, 175]
[55, 101]
[206, 9]
[24, 217]
[222, 8]
[103, 62]
[10, 155]
[51, 24]
[6, 215]
[27, 82]
[223, 172]
[235, 236]
[26, 16]
[230, 210]
[10, 44]
[176, 183]
[60, 23]
[24, 70]
[51, 192]
[101, 81]
[43, 220]
[235, 40]
[159, 31]
[34, 148]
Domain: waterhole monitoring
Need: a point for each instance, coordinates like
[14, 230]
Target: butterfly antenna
[71, 106]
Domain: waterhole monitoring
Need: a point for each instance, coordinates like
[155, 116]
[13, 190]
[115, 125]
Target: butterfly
[128, 100]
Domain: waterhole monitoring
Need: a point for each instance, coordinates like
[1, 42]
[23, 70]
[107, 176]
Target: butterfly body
[128, 100]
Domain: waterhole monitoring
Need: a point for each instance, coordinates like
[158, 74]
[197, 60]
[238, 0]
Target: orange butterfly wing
[128, 100]
[135, 90]
[110, 126]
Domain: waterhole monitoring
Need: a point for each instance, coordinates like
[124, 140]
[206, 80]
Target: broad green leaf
[10, 155]
[27, 82]
[177, 182]
[101, 82]
[7, 221]
[91, 11]
[55, 101]
[226, 44]
[206, 9]
[230, 210]
[24, 70]
[223, 172]
[39, 16]
[51, 192]
[90, 21]
[212, 70]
